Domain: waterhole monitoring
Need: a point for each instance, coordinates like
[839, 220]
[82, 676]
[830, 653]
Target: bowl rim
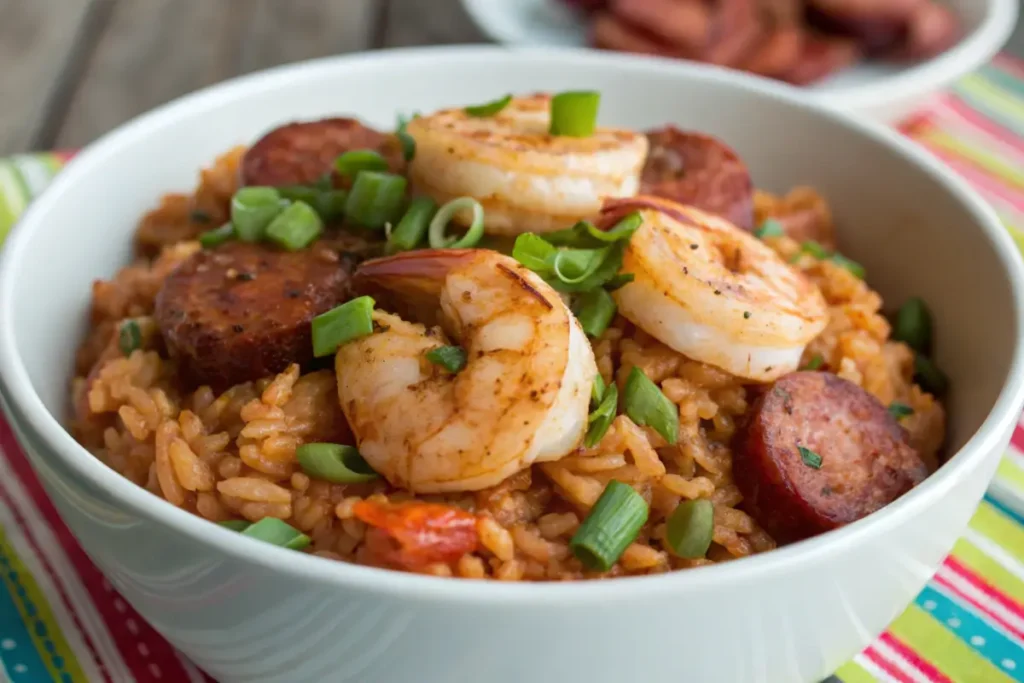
[27, 412]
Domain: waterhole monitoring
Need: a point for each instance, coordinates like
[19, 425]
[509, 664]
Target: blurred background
[71, 70]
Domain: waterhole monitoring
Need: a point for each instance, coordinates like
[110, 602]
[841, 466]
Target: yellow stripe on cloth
[1000, 528]
[993, 572]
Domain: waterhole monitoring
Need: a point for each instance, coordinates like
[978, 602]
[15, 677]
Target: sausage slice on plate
[302, 153]
[818, 452]
[243, 311]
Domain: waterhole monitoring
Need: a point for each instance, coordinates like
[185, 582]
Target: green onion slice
[217, 237]
[351, 320]
[451, 358]
[235, 524]
[273, 530]
[407, 141]
[815, 249]
[929, 376]
[252, 210]
[574, 113]
[569, 270]
[619, 281]
[849, 264]
[352, 162]
[690, 528]
[586, 234]
[613, 523]
[129, 337]
[900, 410]
[573, 266]
[412, 229]
[295, 227]
[601, 418]
[336, 463]
[375, 199]
[490, 108]
[770, 228]
[815, 362]
[913, 325]
[439, 223]
[597, 390]
[595, 310]
[647, 406]
[810, 458]
[534, 252]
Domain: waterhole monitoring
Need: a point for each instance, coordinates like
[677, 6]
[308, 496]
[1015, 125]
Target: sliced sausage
[875, 35]
[302, 153]
[700, 171]
[821, 57]
[931, 30]
[777, 53]
[684, 24]
[243, 311]
[737, 30]
[866, 461]
[609, 32]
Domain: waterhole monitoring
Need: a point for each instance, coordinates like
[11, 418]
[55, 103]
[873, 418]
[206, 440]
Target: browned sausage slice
[821, 57]
[609, 32]
[685, 24]
[866, 461]
[931, 30]
[243, 311]
[701, 171]
[301, 153]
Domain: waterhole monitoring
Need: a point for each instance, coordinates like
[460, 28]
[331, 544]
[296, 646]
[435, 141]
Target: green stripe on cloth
[14, 197]
[985, 566]
[942, 649]
[851, 672]
[1011, 473]
[1000, 528]
[53, 649]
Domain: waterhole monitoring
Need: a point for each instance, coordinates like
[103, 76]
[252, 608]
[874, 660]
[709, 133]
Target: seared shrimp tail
[412, 273]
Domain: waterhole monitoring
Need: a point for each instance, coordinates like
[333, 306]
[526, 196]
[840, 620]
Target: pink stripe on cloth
[943, 581]
[912, 657]
[991, 592]
[873, 655]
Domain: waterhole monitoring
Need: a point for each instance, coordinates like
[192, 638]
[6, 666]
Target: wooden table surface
[71, 70]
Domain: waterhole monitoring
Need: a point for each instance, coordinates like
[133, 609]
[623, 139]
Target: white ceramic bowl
[882, 90]
[248, 611]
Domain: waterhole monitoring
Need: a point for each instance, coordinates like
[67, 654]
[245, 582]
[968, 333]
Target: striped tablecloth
[60, 620]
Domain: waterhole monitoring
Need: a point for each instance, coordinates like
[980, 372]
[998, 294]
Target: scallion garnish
[620, 280]
[648, 407]
[596, 391]
[595, 310]
[407, 141]
[336, 463]
[929, 376]
[252, 210]
[352, 162]
[586, 234]
[488, 109]
[602, 416]
[769, 228]
[129, 337]
[569, 270]
[900, 410]
[690, 528]
[810, 458]
[534, 252]
[439, 224]
[815, 249]
[235, 524]
[273, 530]
[815, 362]
[613, 523]
[330, 204]
[451, 358]
[573, 266]
[913, 325]
[217, 237]
[295, 227]
[574, 113]
[849, 264]
[375, 199]
[412, 229]
[351, 320]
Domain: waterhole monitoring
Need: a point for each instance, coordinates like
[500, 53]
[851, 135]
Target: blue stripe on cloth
[20, 658]
[1002, 507]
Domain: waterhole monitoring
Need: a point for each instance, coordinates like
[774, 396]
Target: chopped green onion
[929, 376]
[595, 310]
[331, 204]
[252, 210]
[573, 266]
[336, 463]
[810, 458]
[690, 528]
[235, 524]
[325, 182]
[300, 193]
[815, 362]
[647, 406]
[295, 227]
[814, 249]
[597, 391]
[770, 228]
[217, 237]
[439, 223]
[619, 281]
[351, 320]
[534, 252]
[900, 410]
[574, 113]
[407, 141]
[375, 199]
[600, 419]
[129, 337]
[490, 108]
[352, 162]
[272, 530]
[849, 264]
[613, 523]
[914, 325]
[569, 270]
[411, 230]
[586, 234]
[451, 358]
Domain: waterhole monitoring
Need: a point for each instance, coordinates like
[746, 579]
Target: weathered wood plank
[280, 31]
[37, 39]
[429, 22]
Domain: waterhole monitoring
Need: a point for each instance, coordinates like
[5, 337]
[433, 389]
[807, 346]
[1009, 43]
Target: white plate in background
[877, 89]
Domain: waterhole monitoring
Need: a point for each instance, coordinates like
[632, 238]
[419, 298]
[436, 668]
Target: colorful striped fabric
[61, 621]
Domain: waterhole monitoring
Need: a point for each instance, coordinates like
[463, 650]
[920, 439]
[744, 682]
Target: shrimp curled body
[714, 292]
[522, 397]
[526, 179]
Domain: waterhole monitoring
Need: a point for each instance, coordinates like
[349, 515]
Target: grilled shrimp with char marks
[714, 292]
[526, 179]
[522, 397]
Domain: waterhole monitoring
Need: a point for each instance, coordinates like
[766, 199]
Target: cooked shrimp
[715, 293]
[526, 179]
[522, 397]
